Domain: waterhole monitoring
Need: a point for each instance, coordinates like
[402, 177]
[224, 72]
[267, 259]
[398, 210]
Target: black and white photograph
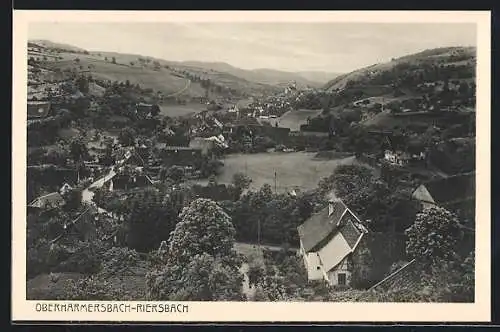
[250, 161]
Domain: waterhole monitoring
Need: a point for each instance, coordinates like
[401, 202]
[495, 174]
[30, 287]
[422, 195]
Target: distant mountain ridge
[266, 75]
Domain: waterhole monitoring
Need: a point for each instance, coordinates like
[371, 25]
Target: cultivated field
[293, 119]
[293, 170]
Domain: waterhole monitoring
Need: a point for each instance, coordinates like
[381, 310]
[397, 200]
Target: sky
[327, 47]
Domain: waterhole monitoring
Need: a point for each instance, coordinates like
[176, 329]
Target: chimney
[331, 205]
[330, 208]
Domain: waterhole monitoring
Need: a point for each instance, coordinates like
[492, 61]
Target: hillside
[170, 78]
[318, 76]
[379, 74]
[53, 45]
[265, 75]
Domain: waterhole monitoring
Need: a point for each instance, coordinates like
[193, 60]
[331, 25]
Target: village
[322, 190]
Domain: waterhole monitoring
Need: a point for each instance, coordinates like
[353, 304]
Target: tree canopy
[200, 263]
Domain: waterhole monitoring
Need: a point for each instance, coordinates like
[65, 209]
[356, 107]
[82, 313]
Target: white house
[397, 157]
[327, 241]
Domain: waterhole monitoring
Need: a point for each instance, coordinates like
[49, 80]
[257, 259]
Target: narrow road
[88, 194]
[188, 84]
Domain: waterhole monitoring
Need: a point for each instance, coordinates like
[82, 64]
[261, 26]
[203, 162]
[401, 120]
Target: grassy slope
[159, 81]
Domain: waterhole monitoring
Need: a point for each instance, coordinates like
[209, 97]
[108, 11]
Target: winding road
[188, 84]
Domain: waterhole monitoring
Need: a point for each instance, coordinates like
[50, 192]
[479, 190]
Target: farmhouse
[327, 241]
[455, 193]
[397, 157]
[147, 109]
[448, 191]
[38, 109]
[181, 155]
[54, 199]
[127, 181]
[219, 192]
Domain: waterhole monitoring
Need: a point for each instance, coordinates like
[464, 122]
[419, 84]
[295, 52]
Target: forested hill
[428, 66]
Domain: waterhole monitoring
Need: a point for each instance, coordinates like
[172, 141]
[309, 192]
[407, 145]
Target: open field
[174, 110]
[293, 170]
[293, 119]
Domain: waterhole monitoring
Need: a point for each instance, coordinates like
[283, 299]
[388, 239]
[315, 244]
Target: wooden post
[275, 183]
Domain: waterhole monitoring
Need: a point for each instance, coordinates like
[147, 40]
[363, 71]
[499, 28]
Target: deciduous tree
[201, 264]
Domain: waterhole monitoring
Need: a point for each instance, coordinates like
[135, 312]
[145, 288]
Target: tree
[73, 199]
[83, 84]
[204, 228]
[94, 288]
[174, 173]
[155, 110]
[117, 261]
[113, 60]
[241, 182]
[148, 219]
[201, 264]
[78, 150]
[435, 235]
[127, 136]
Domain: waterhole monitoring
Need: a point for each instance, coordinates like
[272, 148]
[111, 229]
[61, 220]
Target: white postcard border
[258, 311]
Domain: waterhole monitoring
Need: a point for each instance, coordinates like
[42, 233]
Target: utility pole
[275, 182]
[258, 232]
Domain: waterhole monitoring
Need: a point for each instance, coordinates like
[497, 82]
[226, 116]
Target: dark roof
[49, 199]
[172, 148]
[402, 278]
[320, 225]
[142, 107]
[350, 233]
[452, 189]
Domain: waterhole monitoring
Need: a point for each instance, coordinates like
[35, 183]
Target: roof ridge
[392, 274]
[39, 197]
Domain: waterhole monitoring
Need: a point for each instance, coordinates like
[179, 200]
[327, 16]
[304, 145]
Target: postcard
[260, 166]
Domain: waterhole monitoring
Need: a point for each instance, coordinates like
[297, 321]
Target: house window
[341, 279]
[317, 267]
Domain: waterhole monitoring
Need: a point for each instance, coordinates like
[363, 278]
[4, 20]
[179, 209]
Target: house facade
[397, 157]
[327, 241]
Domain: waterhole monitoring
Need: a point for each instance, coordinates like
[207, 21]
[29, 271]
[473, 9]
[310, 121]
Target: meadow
[293, 119]
[293, 170]
[174, 110]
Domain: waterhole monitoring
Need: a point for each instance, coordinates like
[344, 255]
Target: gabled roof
[321, 224]
[343, 243]
[452, 189]
[54, 198]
